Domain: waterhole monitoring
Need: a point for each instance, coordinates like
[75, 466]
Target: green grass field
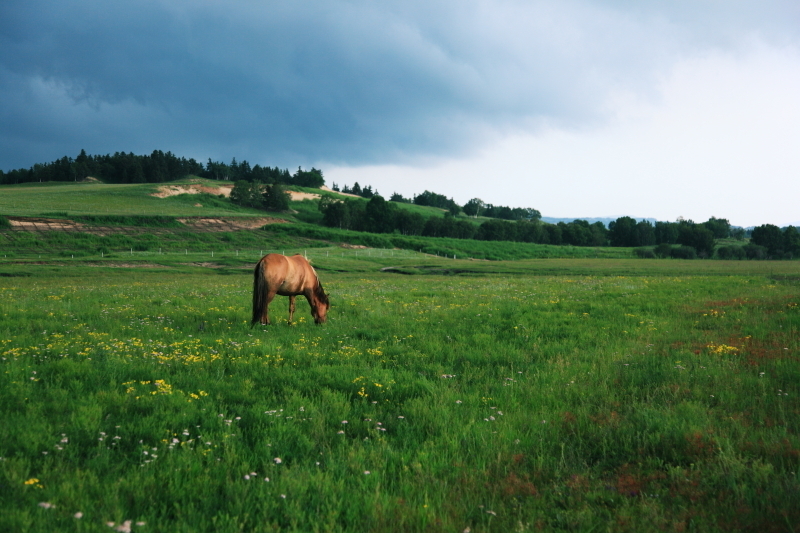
[64, 199]
[587, 391]
[547, 395]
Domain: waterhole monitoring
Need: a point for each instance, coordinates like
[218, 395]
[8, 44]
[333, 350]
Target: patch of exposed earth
[228, 224]
[202, 224]
[173, 190]
[44, 224]
[165, 191]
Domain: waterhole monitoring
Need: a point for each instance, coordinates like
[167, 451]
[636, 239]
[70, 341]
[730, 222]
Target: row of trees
[242, 171]
[379, 216]
[625, 231]
[157, 167]
[684, 238]
[364, 192]
[778, 243]
[118, 168]
[474, 208]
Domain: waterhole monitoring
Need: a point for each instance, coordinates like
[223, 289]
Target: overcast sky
[576, 108]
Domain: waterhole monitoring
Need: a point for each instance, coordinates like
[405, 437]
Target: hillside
[106, 221]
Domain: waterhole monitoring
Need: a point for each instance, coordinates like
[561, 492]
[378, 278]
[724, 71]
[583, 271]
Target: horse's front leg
[291, 308]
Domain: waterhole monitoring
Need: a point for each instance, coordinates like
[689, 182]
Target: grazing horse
[287, 276]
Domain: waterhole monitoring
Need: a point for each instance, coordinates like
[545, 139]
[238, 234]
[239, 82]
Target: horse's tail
[259, 293]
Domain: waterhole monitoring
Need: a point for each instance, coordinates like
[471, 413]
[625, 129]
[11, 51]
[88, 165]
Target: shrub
[684, 252]
[754, 251]
[663, 250]
[4, 223]
[644, 253]
[730, 252]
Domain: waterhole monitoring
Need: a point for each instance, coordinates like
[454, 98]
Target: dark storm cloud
[346, 82]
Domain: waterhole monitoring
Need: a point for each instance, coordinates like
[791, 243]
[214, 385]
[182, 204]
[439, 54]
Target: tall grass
[645, 402]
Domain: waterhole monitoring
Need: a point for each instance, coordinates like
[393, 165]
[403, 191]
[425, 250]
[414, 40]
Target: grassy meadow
[561, 394]
[548, 389]
[65, 199]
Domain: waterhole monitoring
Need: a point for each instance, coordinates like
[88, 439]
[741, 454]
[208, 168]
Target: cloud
[718, 137]
[348, 82]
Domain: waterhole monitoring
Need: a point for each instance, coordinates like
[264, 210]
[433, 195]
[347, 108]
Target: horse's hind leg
[291, 308]
[265, 316]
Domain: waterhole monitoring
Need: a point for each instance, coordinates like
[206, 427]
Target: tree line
[380, 216]
[680, 239]
[473, 208]
[775, 242]
[157, 167]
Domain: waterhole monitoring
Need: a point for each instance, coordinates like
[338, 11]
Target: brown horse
[287, 276]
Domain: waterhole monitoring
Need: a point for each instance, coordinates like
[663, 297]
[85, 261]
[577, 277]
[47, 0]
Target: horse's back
[288, 275]
[300, 263]
[274, 266]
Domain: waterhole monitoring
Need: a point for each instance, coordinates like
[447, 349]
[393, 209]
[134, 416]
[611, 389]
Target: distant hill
[592, 220]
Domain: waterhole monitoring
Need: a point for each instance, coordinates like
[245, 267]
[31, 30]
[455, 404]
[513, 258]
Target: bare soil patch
[173, 190]
[44, 224]
[300, 196]
[165, 191]
[200, 224]
[228, 224]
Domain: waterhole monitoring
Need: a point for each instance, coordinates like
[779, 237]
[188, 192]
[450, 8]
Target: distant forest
[158, 167]
[683, 239]
[261, 187]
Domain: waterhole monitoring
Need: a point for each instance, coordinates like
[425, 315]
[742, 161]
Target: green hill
[92, 198]
[113, 219]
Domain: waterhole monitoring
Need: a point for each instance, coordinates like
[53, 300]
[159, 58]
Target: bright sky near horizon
[576, 108]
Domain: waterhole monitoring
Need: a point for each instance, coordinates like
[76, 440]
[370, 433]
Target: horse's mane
[320, 293]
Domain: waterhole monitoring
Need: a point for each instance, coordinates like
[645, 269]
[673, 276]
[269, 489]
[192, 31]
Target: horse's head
[320, 310]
